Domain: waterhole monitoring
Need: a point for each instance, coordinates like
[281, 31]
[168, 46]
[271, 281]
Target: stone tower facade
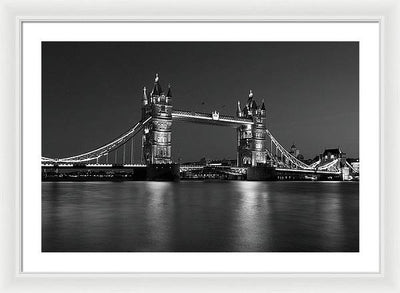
[251, 150]
[156, 139]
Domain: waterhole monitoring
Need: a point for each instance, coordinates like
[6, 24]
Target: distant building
[356, 166]
[294, 151]
[310, 161]
[203, 161]
[332, 154]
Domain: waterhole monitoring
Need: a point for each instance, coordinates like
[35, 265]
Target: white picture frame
[12, 280]
[34, 33]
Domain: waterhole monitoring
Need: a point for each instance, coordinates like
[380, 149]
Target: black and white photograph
[200, 146]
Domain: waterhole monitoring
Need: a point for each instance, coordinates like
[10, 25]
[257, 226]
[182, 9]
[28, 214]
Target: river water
[200, 216]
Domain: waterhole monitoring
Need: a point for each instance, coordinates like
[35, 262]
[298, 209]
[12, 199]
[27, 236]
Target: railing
[309, 171]
[328, 165]
[290, 158]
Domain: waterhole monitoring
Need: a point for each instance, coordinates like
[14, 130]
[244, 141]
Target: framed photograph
[236, 195]
[221, 149]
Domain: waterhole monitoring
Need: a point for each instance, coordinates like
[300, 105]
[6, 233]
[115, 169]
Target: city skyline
[100, 93]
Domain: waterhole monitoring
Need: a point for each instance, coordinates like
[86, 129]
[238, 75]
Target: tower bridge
[259, 154]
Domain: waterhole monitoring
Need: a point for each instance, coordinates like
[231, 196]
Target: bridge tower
[251, 149]
[156, 139]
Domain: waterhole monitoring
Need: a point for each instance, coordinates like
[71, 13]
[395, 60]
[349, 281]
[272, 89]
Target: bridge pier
[261, 173]
[162, 172]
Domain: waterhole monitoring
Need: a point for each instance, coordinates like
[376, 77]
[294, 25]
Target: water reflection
[159, 208]
[200, 216]
[251, 220]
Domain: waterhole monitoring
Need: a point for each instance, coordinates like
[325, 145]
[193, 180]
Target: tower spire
[145, 99]
[263, 105]
[254, 105]
[250, 94]
[157, 88]
[169, 93]
[250, 100]
[238, 111]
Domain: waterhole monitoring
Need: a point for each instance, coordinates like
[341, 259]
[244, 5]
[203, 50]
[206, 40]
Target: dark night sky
[92, 93]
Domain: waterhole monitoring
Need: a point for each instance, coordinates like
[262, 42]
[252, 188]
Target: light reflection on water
[200, 216]
[252, 217]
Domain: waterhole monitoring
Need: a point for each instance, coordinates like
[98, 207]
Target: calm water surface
[200, 216]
